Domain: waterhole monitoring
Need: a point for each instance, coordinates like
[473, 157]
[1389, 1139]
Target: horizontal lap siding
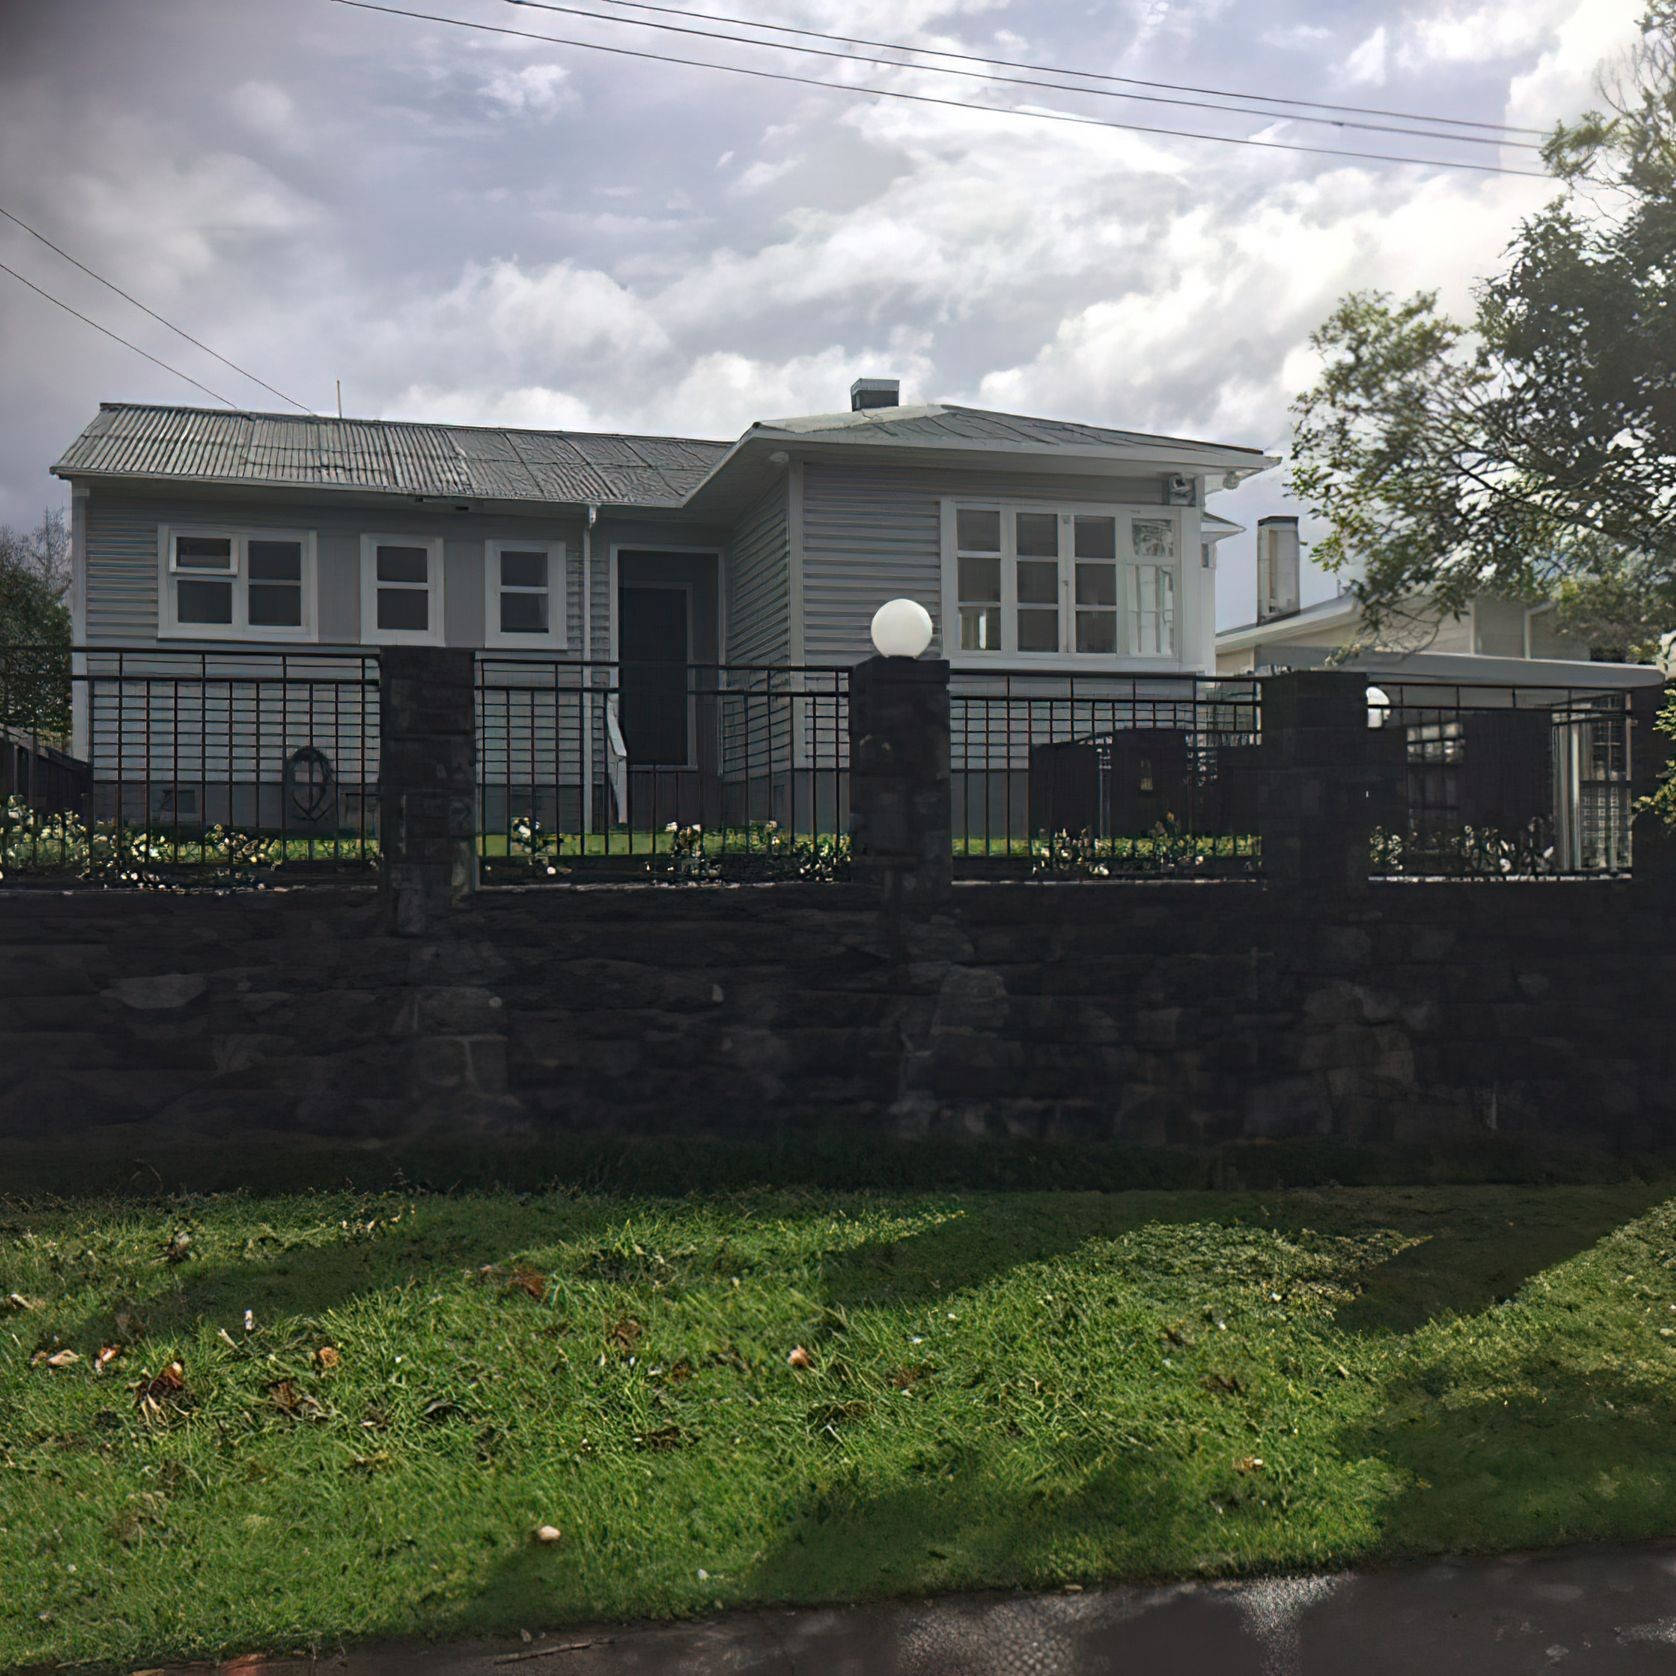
[180, 717]
[756, 721]
[121, 573]
[531, 724]
[222, 715]
[759, 583]
[122, 562]
[874, 533]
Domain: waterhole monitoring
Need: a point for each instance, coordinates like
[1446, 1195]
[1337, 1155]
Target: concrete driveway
[1569, 1611]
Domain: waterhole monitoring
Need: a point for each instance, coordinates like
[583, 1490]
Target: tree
[35, 629]
[1534, 451]
[1619, 603]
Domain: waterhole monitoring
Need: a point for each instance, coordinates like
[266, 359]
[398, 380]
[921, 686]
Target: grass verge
[1004, 1388]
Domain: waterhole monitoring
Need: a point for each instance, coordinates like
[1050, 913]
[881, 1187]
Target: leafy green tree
[35, 629]
[1532, 452]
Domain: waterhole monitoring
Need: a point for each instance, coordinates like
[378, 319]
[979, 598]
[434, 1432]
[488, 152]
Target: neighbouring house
[1494, 639]
[1491, 722]
[623, 592]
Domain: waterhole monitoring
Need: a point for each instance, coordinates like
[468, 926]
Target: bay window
[235, 584]
[1061, 584]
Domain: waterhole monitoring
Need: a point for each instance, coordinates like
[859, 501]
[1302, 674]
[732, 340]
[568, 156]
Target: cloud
[1562, 82]
[537, 90]
[475, 228]
[1469, 34]
[1367, 62]
[754, 177]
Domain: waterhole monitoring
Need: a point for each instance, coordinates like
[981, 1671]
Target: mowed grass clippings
[293, 1421]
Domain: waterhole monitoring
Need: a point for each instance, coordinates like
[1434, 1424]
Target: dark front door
[653, 637]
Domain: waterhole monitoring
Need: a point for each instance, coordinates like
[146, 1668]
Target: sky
[462, 226]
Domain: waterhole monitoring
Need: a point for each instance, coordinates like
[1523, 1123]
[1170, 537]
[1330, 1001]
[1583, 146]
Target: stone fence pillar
[901, 814]
[1319, 782]
[1653, 856]
[427, 781]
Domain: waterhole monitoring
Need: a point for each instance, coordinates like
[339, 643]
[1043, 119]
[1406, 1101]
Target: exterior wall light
[901, 628]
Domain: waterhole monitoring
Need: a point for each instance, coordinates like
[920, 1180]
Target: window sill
[230, 632]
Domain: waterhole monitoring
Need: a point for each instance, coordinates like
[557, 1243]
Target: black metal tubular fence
[1499, 782]
[1105, 776]
[694, 770]
[162, 762]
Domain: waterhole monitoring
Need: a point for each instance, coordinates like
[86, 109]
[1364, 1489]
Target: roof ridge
[1091, 425]
[429, 424]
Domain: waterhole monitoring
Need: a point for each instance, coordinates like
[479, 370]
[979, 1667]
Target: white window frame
[556, 636]
[371, 633]
[1127, 563]
[239, 537]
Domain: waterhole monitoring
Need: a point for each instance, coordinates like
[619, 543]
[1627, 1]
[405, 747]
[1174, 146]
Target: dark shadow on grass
[978, 1240]
[1584, 1460]
[301, 1282]
[1475, 1247]
[1463, 1265]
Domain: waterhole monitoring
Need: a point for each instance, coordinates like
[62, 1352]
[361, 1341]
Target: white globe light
[901, 628]
[1379, 707]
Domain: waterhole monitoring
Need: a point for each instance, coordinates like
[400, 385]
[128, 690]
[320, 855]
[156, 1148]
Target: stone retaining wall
[1145, 1013]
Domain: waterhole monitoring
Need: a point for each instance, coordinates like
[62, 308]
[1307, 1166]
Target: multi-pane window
[1033, 582]
[401, 590]
[244, 584]
[1155, 587]
[275, 583]
[1095, 548]
[524, 601]
[1036, 536]
[978, 578]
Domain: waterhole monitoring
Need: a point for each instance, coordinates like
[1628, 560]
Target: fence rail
[191, 763]
[1499, 781]
[585, 767]
[178, 762]
[1106, 776]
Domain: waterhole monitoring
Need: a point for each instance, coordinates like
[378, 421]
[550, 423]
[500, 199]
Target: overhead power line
[1012, 81]
[1060, 70]
[109, 286]
[871, 92]
[110, 334]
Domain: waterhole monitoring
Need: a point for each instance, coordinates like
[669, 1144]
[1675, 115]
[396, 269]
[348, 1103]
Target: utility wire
[1059, 70]
[931, 99]
[110, 334]
[18, 221]
[990, 75]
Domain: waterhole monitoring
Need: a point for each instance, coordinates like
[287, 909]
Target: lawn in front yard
[344, 1416]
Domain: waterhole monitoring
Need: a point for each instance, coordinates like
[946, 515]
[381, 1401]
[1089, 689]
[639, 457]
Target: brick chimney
[875, 392]
[1277, 568]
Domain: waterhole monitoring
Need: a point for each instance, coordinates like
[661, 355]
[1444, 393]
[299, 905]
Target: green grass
[1007, 1389]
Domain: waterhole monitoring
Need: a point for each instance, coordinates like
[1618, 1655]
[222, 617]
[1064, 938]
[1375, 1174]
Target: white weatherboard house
[1494, 640]
[1036, 545]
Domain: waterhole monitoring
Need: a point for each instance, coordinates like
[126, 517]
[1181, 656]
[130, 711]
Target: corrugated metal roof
[491, 463]
[942, 422]
[386, 455]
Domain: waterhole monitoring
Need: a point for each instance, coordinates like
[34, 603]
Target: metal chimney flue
[875, 392]
[1278, 564]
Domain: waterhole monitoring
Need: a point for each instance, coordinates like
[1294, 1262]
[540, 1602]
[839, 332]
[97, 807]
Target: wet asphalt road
[1569, 1611]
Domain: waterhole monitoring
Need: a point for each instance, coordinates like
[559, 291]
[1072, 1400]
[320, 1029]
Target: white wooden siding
[872, 533]
[758, 583]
